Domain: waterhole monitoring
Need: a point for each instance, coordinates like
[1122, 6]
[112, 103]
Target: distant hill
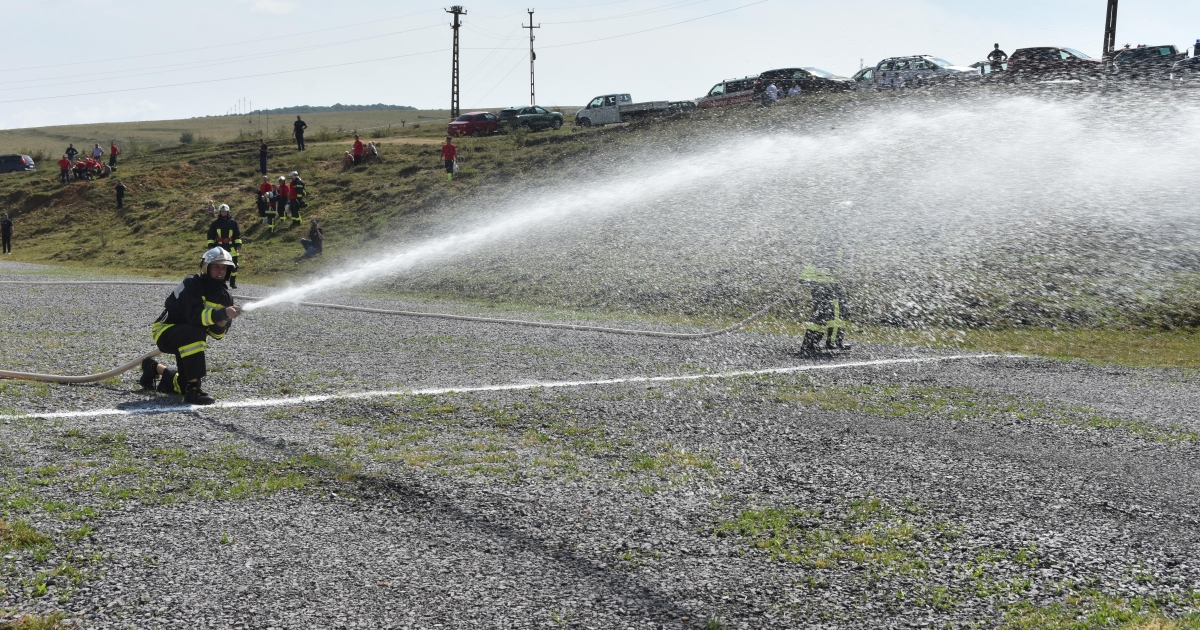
[336, 107]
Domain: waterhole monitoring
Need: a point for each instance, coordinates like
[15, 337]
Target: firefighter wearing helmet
[224, 233]
[200, 307]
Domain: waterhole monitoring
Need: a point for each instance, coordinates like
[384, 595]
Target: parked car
[1147, 61]
[15, 162]
[1053, 62]
[1186, 69]
[809, 79]
[729, 92]
[864, 79]
[474, 124]
[530, 118]
[615, 108]
[917, 70]
[985, 68]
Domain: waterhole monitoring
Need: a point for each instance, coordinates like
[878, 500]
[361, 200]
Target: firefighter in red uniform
[224, 233]
[198, 308]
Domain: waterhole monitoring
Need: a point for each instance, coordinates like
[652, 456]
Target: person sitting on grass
[314, 244]
[347, 160]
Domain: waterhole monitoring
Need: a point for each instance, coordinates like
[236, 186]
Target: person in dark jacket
[298, 128]
[315, 243]
[262, 157]
[120, 194]
[224, 233]
[200, 307]
[297, 191]
[71, 152]
[6, 230]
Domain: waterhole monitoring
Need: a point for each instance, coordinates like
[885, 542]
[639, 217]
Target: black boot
[193, 395]
[809, 347]
[149, 373]
[233, 282]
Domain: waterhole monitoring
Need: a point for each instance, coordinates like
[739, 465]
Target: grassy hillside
[161, 230]
[52, 141]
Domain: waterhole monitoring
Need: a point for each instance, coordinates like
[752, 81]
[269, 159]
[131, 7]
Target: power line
[255, 41]
[351, 63]
[193, 65]
[247, 76]
[673, 5]
[657, 28]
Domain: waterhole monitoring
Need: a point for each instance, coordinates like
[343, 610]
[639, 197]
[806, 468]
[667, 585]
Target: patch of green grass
[962, 403]
[20, 535]
[1092, 610]
[50, 621]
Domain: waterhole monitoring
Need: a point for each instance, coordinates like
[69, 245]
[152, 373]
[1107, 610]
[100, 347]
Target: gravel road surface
[993, 492]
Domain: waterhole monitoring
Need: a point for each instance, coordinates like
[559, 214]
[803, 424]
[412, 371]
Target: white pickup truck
[615, 108]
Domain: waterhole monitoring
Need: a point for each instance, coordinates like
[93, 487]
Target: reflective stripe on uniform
[158, 328]
[175, 383]
[192, 348]
[206, 317]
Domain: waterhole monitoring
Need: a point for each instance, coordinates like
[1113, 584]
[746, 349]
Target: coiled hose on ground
[92, 378]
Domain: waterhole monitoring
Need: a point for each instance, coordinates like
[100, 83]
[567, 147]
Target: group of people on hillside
[283, 200]
[359, 153]
[89, 167]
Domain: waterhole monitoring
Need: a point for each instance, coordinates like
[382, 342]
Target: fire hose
[92, 378]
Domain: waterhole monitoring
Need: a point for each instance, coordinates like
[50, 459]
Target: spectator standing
[997, 58]
[97, 153]
[112, 155]
[770, 95]
[450, 155]
[6, 232]
[64, 166]
[262, 158]
[120, 194]
[71, 153]
[298, 128]
[315, 242]
[358, 150]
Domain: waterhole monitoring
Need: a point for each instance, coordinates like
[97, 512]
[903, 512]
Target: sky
[90, 61]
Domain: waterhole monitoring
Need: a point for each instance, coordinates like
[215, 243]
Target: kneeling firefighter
[828, 301]
[223, 232]
[198, 308]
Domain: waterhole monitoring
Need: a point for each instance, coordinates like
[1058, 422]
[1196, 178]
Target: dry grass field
[51, 141]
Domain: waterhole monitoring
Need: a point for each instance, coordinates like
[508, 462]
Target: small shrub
[187, 137]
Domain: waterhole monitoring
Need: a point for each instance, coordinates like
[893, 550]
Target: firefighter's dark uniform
[294, 206]
[224, 233]
[187, 321]
[828, 302]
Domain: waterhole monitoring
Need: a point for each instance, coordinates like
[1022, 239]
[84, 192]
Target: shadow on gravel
[417, 499]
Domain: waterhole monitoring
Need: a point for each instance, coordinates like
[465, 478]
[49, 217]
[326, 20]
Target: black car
[14, 163]
[529, 118]
[809, 80]
[1146, 61]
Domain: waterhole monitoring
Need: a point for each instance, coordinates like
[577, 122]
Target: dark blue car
[14, 163]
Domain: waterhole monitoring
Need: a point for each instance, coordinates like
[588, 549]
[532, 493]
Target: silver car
[1186, 70]
[918, 70]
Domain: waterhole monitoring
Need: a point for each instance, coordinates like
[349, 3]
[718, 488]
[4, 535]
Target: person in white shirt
[97, 152]
[771, 94]
[794, 90]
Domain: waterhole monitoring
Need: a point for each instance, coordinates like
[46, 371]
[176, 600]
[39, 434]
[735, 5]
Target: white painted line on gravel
[300, 400]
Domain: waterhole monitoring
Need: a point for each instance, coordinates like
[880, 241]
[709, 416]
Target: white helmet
[222, 208]
[295, 173]
[216, 256]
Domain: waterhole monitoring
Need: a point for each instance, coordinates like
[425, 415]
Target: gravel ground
[990, 492]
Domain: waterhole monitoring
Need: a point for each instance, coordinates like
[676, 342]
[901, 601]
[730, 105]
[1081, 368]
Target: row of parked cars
[891, 73]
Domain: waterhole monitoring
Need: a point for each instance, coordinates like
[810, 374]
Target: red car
[473, 124]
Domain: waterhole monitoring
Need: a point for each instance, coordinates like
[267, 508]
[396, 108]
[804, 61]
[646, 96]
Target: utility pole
[456, 10]
[1110, 32]
[532, 57]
